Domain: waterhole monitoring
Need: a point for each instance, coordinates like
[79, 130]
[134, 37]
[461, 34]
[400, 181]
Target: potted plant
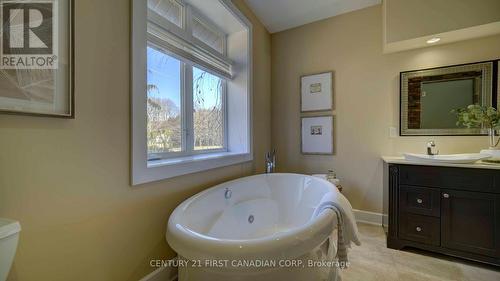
[485, 117]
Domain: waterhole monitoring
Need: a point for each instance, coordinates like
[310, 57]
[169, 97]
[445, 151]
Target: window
[185, 108]
[208, 111]
[191, 85]
[164, 103]
[185, 95]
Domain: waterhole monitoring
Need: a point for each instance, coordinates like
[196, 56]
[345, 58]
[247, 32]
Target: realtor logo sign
[28, 34]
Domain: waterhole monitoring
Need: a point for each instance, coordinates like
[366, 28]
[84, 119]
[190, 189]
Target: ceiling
[279, 15]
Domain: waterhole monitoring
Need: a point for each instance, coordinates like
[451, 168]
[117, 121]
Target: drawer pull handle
[418, 229]
[446, 195]
[419, 201]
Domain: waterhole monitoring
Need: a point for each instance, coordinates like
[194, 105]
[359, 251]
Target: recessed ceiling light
[433, 40]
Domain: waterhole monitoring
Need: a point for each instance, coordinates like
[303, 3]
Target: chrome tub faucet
[270, 161]
[430, 145]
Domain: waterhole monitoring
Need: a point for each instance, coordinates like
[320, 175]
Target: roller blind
[168, 9]
[194, 43]
[208, 35]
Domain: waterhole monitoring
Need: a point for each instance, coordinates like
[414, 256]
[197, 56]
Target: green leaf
[476, 116]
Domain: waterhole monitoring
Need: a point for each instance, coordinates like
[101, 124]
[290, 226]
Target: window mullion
[184, 121]
[188, 93]
[224, 117]
[188, 108]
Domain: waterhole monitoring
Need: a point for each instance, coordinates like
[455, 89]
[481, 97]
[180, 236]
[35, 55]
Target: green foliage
[164, 123]
[474, 116]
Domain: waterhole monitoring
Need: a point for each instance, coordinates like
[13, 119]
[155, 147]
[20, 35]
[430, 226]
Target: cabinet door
[470, 222]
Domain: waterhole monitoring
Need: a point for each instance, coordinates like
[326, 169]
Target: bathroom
[90, 208]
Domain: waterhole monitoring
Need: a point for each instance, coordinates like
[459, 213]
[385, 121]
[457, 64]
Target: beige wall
[407, 19]
[67, 181]
[366, 97]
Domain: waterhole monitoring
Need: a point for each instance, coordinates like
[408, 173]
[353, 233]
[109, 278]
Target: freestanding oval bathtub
[255, 228]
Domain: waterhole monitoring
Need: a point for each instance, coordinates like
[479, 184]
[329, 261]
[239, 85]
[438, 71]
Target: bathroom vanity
[453, 209]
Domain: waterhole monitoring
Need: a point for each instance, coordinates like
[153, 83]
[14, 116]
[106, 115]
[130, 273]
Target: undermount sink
[468, 158]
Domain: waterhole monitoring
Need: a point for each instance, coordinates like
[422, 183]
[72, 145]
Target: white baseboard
[161, 274]
[368, 217]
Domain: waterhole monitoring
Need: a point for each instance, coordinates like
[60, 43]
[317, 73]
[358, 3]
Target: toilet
[9, 236]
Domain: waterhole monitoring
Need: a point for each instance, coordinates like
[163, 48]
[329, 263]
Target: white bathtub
[255, 228]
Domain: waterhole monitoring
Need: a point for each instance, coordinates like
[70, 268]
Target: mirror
[428, 97]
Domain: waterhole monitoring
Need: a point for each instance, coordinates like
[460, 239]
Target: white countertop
[402, 160]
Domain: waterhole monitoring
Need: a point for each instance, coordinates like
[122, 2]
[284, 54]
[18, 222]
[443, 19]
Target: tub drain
[251, 219]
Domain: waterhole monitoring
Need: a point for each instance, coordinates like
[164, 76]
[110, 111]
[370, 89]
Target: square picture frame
[316, 92]
[317, 135]
[44, 88]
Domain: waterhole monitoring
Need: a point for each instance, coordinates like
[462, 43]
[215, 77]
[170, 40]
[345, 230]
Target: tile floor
[374, 261]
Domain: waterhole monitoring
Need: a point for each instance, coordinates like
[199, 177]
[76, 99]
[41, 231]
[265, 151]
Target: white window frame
[188, 14]
[237, 101]
[187, 112]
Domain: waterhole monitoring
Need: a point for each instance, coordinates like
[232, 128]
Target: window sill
[192, 158]
[173, 167]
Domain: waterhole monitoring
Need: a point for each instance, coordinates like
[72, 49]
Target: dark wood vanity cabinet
[453, 211]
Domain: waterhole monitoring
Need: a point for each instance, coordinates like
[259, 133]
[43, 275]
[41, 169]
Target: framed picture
[316, 92]
[317, 135]
[36, 58]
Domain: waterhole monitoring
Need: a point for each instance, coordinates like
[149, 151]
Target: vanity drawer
[418, 228]
[419, 200]
[471, 179]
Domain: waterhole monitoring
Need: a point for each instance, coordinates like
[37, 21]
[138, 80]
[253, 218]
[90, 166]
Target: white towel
[347, 229]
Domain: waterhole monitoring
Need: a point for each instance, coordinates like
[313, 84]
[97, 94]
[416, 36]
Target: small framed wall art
[317, 135]
[316, 92]
[36, 58]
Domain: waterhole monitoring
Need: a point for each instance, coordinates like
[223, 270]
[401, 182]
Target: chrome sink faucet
[270, 161]
[430, 145]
